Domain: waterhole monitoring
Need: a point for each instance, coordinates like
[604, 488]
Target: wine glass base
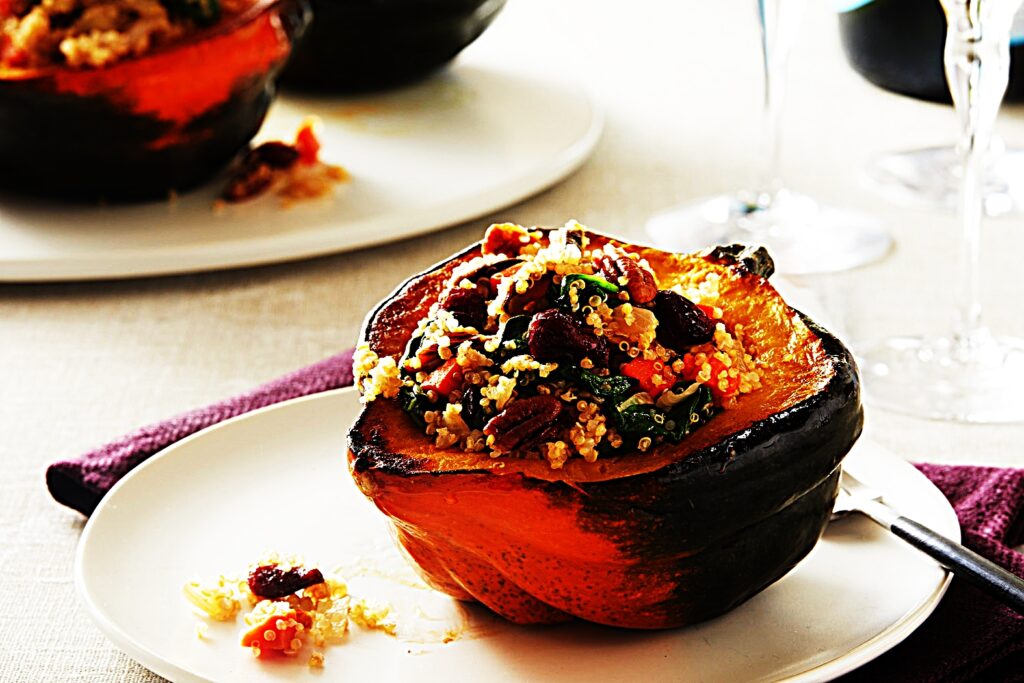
[936, 378]
[930, 178]
[802, 236]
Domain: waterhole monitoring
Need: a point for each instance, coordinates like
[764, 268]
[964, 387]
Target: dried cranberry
[270, 582]
[554, 335]
[681, 324]
[473, 414]
[274, 154]
[467, 305]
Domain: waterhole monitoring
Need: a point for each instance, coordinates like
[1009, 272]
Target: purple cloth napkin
[81, 482]
[970, 637]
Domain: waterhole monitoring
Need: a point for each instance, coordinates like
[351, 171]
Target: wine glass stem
[777, 29]
[977, 94]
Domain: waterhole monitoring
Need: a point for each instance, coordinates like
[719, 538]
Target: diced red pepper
[307, 144]
[653, 375]
[690, 372]
[732, 383]
[445, 379]
[709, 311]
[278, 632]
[13, 56]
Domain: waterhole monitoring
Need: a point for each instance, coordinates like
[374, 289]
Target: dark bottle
[898, 44]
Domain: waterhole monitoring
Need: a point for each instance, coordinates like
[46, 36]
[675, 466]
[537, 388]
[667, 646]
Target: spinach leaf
[515, 328]
[690, 413]
[415, 403]
[514, 332]
[610, 387]
[592, 286]
[641, 419]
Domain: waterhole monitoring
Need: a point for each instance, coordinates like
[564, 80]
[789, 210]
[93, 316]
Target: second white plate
[473, 139]
[205, 507]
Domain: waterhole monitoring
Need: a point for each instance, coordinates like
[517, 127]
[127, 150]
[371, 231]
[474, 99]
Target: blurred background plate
[472, 139]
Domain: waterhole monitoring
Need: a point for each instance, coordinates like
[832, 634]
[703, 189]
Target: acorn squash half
[650, 540]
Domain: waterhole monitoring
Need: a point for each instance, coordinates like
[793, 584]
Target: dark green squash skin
[722, 523]
[84, 149]
[748, 508]
[357, 45]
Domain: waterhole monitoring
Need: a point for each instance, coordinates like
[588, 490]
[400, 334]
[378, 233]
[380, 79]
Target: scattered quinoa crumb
[306, 620]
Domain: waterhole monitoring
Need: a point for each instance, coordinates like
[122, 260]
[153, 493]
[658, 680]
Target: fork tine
[857, 488]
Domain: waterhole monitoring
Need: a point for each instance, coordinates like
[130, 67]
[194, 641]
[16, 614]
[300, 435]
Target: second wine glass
[971, 375]
[802, 235]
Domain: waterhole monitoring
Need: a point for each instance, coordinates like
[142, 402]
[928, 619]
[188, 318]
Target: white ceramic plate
[469, 141]
[200, 509]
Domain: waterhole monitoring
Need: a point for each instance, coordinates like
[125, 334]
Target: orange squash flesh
[642, 540]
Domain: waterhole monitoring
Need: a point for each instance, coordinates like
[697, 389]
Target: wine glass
[898, 45]
[971, 375]
[802, 235]
[930, 177]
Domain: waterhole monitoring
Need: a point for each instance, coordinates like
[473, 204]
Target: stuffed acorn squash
[561, 425]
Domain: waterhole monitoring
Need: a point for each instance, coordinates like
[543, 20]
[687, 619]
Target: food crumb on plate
[290, 609]
[293, 171]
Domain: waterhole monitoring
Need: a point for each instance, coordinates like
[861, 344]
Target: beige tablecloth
[80, 363]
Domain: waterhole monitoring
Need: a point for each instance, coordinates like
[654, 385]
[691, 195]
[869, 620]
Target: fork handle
[963, 562]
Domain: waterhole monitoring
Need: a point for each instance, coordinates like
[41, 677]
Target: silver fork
[855, 496]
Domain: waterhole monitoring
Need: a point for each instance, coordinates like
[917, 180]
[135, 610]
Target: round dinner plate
[276, 479]
[477, 137]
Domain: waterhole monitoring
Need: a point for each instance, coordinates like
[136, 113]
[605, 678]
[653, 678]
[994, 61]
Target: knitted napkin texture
[970, 636]
[81, 482]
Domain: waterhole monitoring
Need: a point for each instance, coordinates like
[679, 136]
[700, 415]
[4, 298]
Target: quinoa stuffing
[287, 609]
[543, 347]
[84, 34]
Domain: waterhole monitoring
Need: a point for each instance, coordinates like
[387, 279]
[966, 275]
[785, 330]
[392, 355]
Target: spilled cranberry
[270, 582]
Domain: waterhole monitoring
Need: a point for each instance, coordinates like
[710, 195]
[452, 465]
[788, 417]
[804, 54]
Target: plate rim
[863, 653]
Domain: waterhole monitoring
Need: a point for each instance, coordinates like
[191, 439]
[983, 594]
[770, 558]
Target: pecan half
[554, 335]
[621, 270]
[525, 422]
